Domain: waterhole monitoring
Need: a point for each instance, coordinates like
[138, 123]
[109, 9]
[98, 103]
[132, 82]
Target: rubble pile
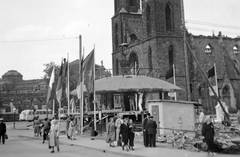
[227, 139]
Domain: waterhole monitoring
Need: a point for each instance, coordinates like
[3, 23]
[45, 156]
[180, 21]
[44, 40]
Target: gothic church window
[170, 55]
[148, 19]
[235, 49]
[133, 37]
[150, 58]
[116, 35]
[169, 18]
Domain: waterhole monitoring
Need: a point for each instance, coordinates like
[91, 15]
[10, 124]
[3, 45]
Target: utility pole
[185, 54]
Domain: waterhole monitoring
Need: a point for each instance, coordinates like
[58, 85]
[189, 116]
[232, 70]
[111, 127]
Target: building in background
[147, 39]
[22, 94]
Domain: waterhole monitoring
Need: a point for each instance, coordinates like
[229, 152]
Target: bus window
[37, 112]
[30, 112]
[44, 112]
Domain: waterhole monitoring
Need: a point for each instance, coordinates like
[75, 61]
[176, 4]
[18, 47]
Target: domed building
[24, 94]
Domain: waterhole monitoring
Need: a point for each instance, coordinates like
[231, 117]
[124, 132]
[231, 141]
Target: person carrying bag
[3, 134]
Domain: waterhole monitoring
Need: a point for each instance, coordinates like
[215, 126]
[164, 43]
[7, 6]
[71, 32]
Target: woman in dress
[124, 133]
[71, 130]
[208, 134]
[54, 135]
[36, 124]
[131, 134]
[111, 133]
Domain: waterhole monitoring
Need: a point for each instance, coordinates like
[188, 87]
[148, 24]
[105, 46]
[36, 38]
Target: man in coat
[145, 133]
[151, 128]
[46, 129]
[2, 130]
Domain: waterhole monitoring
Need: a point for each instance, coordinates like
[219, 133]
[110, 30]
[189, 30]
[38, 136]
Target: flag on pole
[211, 72]
[212, 77]
[59, 85]
[88, 72]
[80, 79]
[50, 84]
[169, 73]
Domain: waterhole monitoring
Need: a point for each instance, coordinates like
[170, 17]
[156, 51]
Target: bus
[27, 115]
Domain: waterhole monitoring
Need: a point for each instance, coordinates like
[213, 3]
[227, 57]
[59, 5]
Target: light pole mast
[185, 53]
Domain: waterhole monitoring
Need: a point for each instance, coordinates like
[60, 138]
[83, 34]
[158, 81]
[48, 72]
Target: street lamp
[14, 110]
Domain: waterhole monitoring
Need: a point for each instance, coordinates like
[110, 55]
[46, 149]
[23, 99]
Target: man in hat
[151, 128]
[145, 132]
[2, 130]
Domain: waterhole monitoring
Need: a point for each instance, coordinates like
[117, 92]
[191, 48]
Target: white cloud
[29, 32]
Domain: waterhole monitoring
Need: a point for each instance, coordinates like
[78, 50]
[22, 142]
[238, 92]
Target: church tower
[126, 29]
[153, 39]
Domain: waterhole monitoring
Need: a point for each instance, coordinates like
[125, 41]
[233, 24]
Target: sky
[36, 32]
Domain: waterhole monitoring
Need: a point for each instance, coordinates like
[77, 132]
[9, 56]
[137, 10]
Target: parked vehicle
[29, 114]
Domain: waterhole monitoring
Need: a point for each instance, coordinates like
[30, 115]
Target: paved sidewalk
[99, 144]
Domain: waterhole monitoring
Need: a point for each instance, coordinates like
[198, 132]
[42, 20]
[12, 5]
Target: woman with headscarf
[111, 133]
[36, 124]
[208, 134]
[124, 133]
[71, 130]
[54, 135]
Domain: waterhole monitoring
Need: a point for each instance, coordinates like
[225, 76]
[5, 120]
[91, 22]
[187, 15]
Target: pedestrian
[111, 133]
[118, 124]
[54, 135]
[124, 133]
[201, 119]
[36, 124]
[46, 129]
[3, 131]
[67, 125]
[131, 134]
[208, 134]
[40, 128]
[145, 132]
[71, 131]
[151, 128]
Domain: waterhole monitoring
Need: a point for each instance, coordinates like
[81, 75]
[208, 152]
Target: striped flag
[50, 84]
[59, 85]
[80, 79]
[212, 77]
[88, 72]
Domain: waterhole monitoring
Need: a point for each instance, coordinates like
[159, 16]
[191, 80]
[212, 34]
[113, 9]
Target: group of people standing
[122, 131]
[149, 131]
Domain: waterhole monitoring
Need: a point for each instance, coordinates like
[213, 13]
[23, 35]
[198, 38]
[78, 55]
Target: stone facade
[148, 38]
[23, 94]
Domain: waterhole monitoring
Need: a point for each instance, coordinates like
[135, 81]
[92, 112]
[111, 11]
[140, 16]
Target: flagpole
[174, 81]
[80, 75]
[94, 92]
[68, 83]
[215, 71]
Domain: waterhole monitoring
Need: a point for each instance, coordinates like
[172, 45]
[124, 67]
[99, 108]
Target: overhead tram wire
[21, 41]
[212, 24]
[210, 30]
